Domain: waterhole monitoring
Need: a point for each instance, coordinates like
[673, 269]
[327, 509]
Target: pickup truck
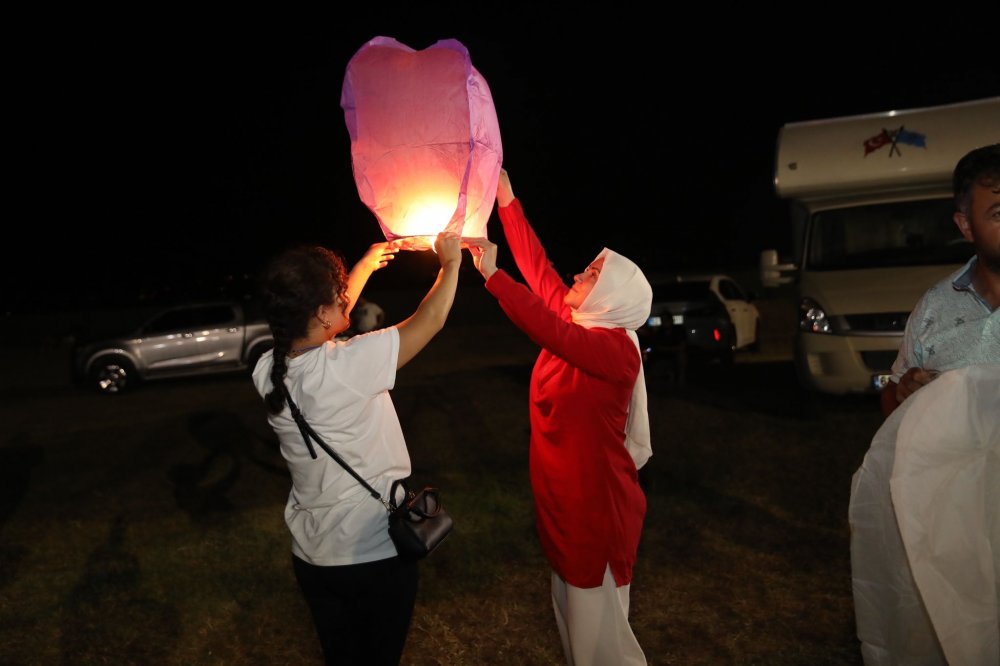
[178, 341]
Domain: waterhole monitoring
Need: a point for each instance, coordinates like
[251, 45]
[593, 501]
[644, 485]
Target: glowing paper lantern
[425, 142]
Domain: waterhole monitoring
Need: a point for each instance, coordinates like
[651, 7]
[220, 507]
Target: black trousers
[361, 611]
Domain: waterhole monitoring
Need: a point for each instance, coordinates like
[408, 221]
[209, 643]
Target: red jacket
[588, 503]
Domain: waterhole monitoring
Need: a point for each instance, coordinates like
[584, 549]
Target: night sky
[189, 148]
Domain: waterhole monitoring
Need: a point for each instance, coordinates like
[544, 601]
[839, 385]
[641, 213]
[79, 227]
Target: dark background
[172, 154]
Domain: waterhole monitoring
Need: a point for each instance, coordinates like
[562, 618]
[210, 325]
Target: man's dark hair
[982, 166]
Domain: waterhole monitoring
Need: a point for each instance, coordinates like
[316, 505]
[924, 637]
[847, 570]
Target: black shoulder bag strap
[308, 432]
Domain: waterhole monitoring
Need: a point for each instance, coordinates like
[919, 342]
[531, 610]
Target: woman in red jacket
[589, 429]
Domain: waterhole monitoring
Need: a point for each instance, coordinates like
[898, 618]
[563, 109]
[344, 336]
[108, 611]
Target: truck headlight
[812, 317]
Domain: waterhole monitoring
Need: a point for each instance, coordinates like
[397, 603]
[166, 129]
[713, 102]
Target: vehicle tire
[255, 355]
[727, 358]
[112, 375]
[755, 345]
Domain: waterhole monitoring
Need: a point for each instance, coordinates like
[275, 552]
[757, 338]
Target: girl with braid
[360, 594]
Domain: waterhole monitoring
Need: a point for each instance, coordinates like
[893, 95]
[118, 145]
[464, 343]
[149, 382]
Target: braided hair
[295, 284]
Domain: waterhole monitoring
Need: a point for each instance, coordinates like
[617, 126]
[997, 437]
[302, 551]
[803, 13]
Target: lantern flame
[426, 217]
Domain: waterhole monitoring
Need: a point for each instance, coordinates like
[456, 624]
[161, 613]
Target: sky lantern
[425, 142]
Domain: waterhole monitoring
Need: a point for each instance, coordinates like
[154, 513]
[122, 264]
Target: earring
[324, 322]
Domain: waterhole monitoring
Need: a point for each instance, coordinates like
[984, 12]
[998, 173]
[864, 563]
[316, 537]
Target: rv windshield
[904, 233]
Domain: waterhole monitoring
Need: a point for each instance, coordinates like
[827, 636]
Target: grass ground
[147, 528]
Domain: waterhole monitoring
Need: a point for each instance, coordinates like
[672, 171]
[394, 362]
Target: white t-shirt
[342, 389]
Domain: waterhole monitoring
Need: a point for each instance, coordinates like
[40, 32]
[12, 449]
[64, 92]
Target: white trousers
[593, 623]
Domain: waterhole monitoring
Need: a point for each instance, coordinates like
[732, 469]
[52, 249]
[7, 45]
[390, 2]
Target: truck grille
[878, 361]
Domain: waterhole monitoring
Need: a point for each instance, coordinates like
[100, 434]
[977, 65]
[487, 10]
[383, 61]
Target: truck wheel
[112, 375]
[727, 358]
[255, 355]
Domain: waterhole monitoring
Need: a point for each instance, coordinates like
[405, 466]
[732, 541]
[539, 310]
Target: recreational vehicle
[872, 218]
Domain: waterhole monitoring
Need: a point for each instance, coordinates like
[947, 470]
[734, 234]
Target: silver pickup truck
[178, 341]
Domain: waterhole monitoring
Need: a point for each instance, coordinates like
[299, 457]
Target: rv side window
[904, 233]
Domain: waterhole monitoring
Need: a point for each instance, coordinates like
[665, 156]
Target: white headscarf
[622, 298]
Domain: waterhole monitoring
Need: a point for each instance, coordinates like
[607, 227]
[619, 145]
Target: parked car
[742, 311]
[711, 316]
[177, 341]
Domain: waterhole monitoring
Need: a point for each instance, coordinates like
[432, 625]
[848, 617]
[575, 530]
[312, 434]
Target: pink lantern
[425, 142]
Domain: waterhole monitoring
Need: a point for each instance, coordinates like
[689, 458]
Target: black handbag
[417, 525]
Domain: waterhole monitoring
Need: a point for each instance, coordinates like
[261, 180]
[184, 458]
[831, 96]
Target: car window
[170, 321]
[212, 316]
[907, 233]
[191, 318]
[731, 291]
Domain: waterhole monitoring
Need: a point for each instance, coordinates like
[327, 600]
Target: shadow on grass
[106, 617]
[16, 462]
[202, 489]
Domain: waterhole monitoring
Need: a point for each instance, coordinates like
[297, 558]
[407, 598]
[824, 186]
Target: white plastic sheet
[925, 527]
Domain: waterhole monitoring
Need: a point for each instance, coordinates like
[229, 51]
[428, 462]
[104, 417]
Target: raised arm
[378, 256]
[529, 255]
[419, 328]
